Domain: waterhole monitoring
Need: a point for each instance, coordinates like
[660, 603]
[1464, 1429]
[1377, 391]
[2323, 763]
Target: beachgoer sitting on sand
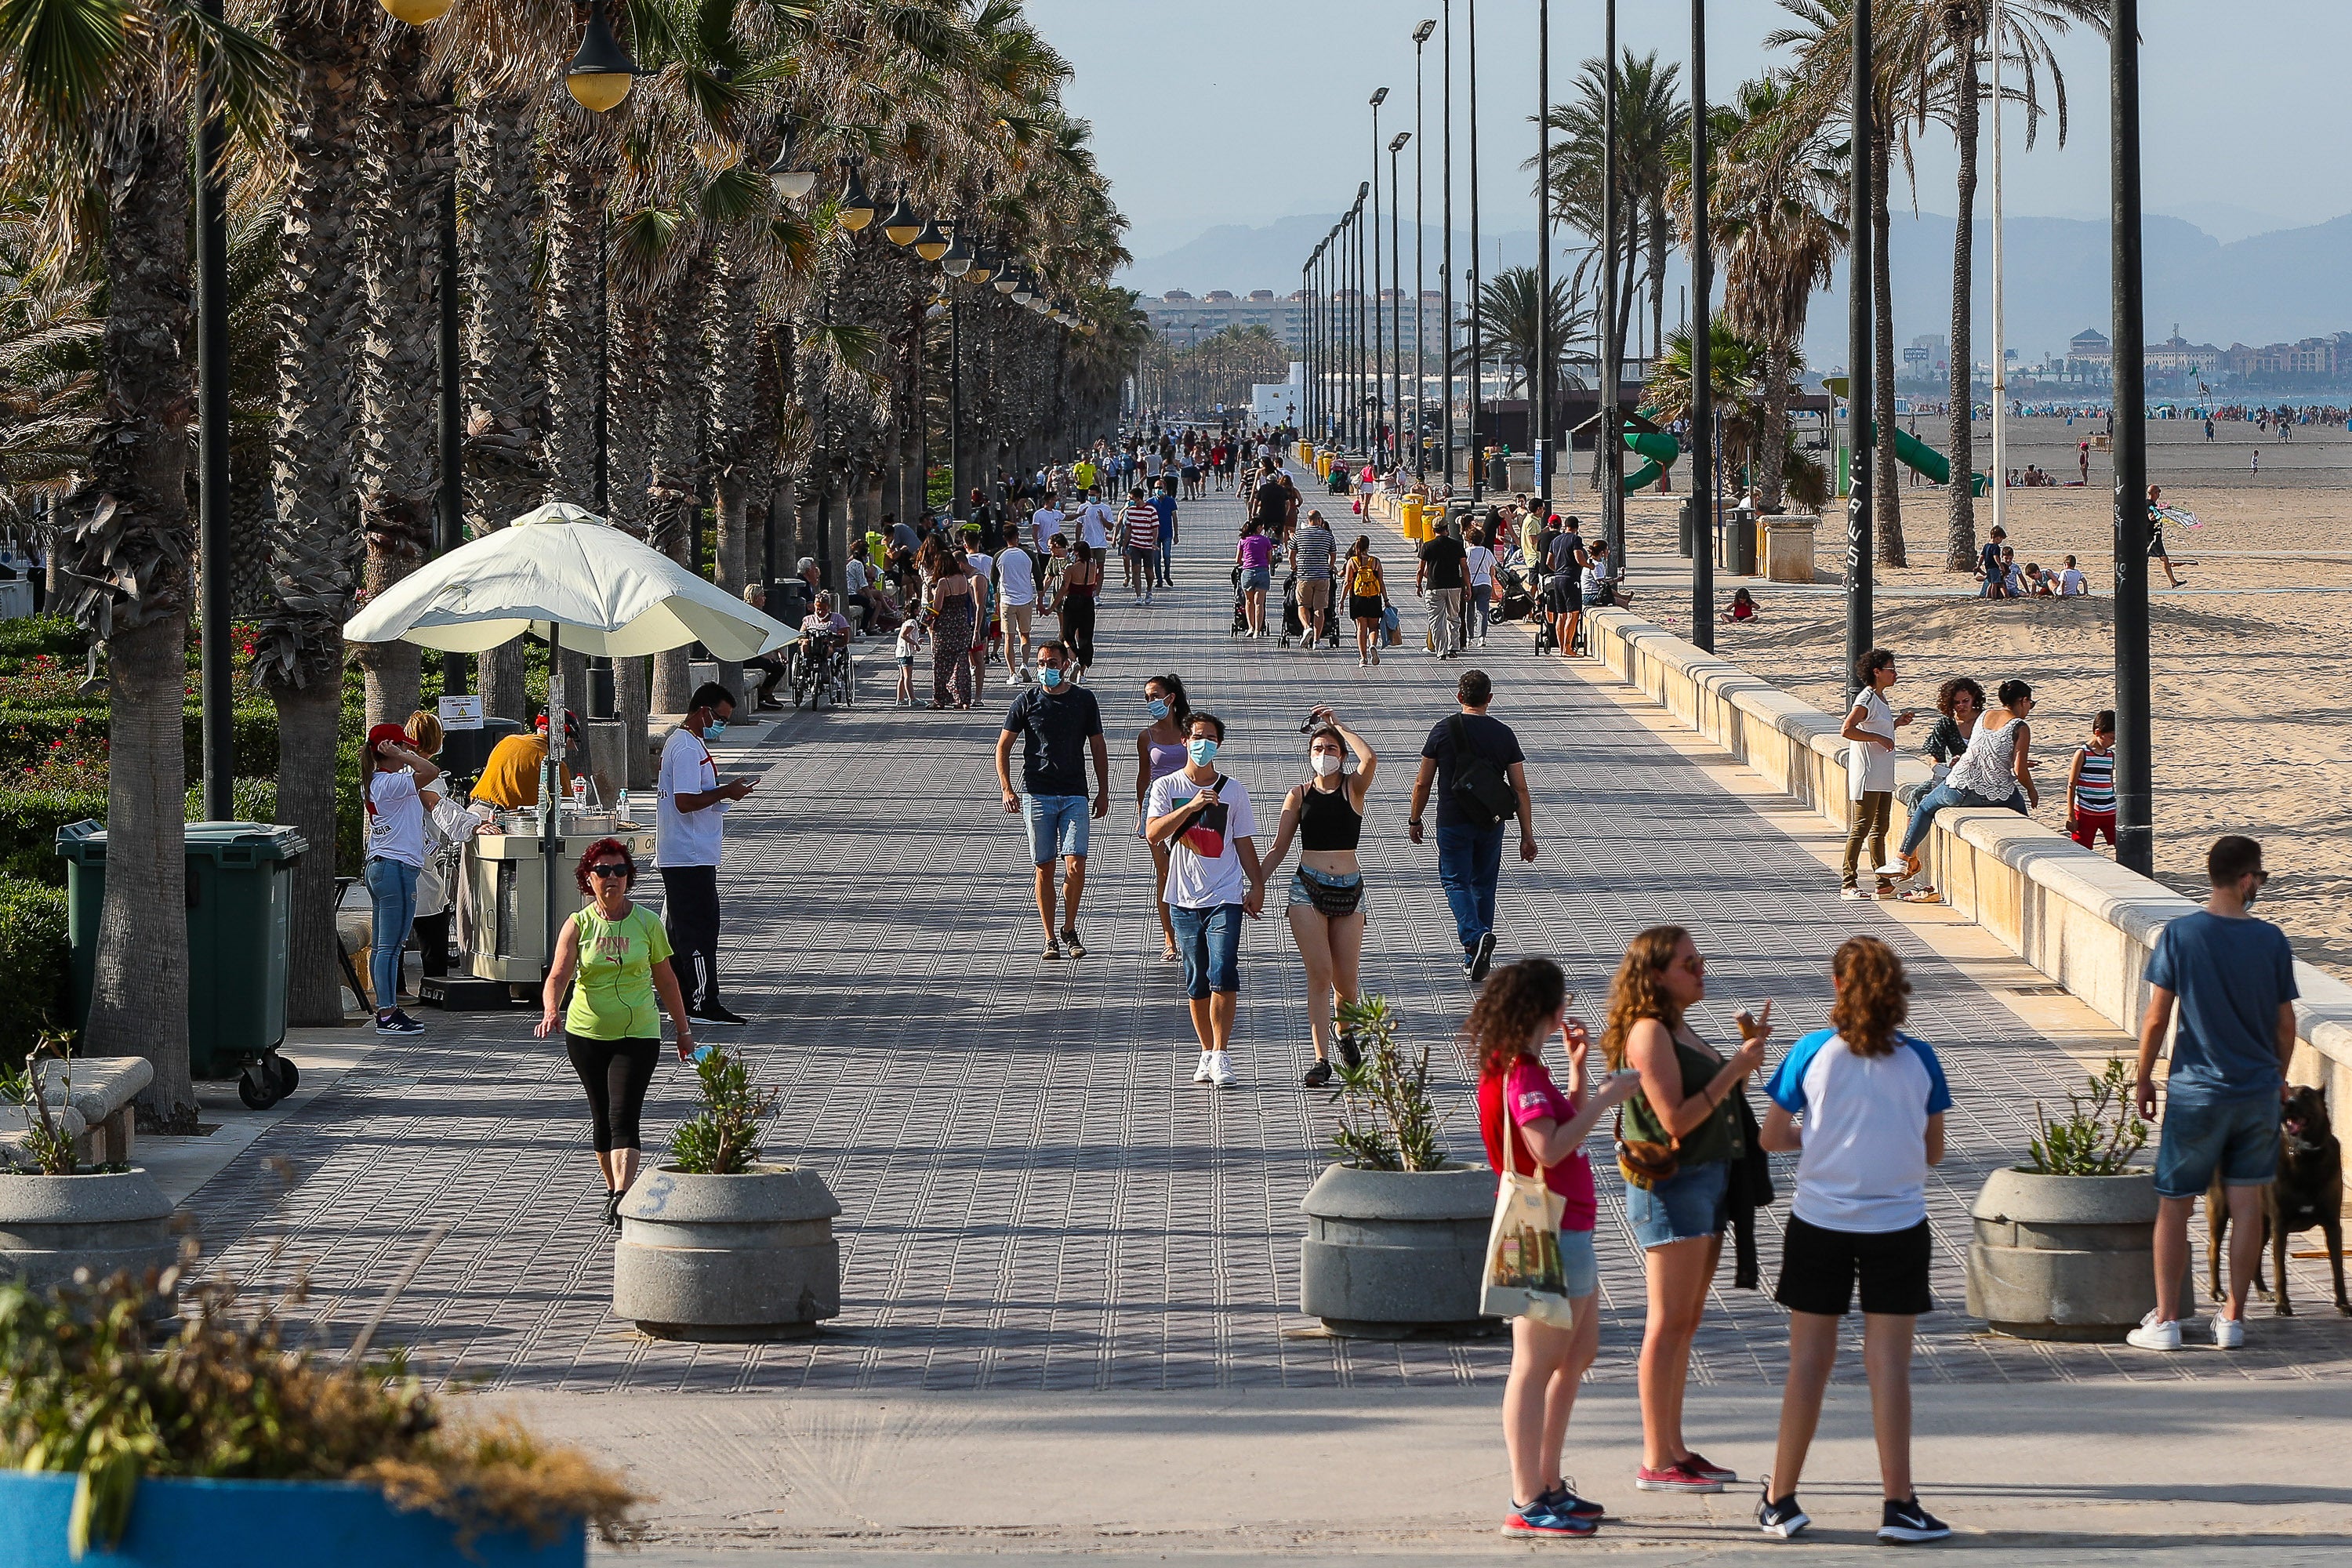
[1743, 608]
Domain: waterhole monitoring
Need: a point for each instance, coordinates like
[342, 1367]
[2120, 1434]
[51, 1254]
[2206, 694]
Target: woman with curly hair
[621, 954]
[1873, 1102]
[1519, 1009]
[1677, 1141]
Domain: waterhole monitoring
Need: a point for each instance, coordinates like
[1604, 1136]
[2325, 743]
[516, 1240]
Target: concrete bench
[91, 1098]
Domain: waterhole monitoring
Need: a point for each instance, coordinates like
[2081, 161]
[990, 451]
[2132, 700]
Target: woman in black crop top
[1327, 892]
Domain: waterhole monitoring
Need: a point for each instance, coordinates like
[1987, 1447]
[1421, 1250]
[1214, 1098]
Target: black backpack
[1482, 793]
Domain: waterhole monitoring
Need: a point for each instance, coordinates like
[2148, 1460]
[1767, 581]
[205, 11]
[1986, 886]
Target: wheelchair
[822, 672]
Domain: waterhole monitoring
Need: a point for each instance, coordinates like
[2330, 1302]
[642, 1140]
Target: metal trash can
[240, 933]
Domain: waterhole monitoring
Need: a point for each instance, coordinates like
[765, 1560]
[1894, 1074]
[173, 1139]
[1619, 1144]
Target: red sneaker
[1712, 1472]
[1676, 1478]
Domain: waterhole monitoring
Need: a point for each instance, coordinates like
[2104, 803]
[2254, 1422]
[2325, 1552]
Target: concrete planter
[1392, 1252]
[258, 1524]
[52, 1226]
[2063, 1258]
[727, 1258]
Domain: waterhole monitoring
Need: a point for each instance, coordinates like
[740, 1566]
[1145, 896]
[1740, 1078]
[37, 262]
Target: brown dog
[2308, 1193]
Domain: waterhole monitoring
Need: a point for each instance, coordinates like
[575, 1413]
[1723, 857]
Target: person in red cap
[394, 777]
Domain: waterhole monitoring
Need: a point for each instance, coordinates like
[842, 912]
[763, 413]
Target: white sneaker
[1220, 1070]
[2153, 1335]
[1201, 1074]
[2229, 1333]
[1892, 868]
[1850, 894]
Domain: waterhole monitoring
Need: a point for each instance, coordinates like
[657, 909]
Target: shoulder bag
[1524, 1276]
[1481, 793]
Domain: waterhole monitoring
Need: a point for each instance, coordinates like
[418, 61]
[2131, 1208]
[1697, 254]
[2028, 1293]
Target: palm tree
[1507, 320]
[48, 377]
[1652, 138]
[95, 98]
[1775, 208]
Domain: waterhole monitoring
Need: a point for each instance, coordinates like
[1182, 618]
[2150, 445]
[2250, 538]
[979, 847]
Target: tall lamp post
[2135, 794]
[1446, 217]
[1372, 425]
[1612, 447]
[219, 735]
[1539, 384]
[1420, 350]
[1477, 366]
[1858, 359]
[1701, 499]
[1396, 317]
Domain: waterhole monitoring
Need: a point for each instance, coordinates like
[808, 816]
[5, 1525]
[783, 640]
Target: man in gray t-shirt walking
[1312, 554]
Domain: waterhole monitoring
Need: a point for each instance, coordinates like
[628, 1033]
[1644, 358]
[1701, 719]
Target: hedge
[29, 635]
[29, 820]
[36, 964]
[26, 734]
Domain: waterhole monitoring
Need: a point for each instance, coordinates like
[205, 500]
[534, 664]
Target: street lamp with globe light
[601, 73]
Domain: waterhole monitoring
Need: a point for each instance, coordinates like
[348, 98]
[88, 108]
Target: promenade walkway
[1037, 1200]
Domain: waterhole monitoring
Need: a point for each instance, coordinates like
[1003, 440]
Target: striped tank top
[2094, 791]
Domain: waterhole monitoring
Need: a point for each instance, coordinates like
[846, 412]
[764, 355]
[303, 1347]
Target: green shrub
[32, 636]
[36, 964]
[253, 800]
[29, 820]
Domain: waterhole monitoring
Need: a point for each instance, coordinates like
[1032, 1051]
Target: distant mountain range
[2282, 285]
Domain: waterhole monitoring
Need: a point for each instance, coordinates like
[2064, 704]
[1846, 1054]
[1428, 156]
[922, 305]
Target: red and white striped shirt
[1143, 526]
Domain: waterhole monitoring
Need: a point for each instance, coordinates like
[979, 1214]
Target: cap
[381, 733]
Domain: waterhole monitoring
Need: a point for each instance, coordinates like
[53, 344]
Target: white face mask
[1325, 764]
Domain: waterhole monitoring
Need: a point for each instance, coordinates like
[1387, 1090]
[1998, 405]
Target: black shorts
[1818, 1266]
[1563, 595]
[1364, 607]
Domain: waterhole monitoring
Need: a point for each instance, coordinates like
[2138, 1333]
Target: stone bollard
[727, 1258]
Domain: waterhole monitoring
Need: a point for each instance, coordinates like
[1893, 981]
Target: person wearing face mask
[692, 812]
[1327, 892]
[1214, 878]
[1060, 725]
[1159, 752]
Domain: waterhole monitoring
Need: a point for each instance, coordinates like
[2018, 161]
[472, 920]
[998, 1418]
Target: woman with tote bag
[1530, 1125]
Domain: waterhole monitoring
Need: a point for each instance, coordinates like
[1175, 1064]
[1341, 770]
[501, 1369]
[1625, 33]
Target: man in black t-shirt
[1564, 559]
[1469, 848]
[1443, 570]
[1060, 724]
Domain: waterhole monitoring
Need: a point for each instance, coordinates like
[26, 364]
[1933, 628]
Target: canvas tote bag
[1524, 1278]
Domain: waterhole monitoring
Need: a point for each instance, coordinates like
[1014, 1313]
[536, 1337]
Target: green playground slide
[1659, 449]
[1914, 453]
[1646, 474]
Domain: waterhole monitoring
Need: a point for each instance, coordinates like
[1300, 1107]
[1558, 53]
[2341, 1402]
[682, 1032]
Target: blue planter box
[257, 1524]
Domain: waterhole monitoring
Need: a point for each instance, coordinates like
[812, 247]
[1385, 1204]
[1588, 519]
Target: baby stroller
[1546, 638]
[1513, 600]
[1241, 609]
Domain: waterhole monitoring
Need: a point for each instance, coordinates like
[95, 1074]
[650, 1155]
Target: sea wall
[2071, 912]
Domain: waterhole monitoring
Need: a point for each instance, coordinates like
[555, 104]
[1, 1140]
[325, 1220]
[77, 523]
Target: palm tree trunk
[1772, 434]
[632, 424]
[1886, 496]
[1960, 531]
[314, 545]
[680, 387]
[505, 397]
[408, 166]
[127, 580]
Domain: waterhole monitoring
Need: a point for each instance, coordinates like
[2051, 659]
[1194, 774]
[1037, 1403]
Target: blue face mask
[1049, 676]
[716, 727]
[1202, 751]
[1156, 708]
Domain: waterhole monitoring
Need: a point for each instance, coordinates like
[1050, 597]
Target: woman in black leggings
[621, 954]
[1080, 584]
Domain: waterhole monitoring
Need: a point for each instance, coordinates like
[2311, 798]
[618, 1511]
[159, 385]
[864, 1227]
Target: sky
[1245, 111]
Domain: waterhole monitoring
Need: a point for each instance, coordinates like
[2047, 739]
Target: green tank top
[613, 999]
[1717, 1137]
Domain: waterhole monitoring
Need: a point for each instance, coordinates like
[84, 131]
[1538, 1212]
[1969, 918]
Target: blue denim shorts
[2237, 1138]
[1579, 1266]
[1260, 578]
[1059, 825]
[1210, 941]
[1692, 1205]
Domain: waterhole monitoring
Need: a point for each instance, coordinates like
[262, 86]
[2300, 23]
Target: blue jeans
[1059, 825]
[391, 884]
[1923, 815]
[1210, 942]
[1469, 864]
[1167, 554]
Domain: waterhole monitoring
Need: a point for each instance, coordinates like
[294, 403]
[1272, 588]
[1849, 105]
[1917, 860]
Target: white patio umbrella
[565, 572]
[583, 585]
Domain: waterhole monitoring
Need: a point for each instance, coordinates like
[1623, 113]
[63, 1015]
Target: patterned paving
[1037, 1197]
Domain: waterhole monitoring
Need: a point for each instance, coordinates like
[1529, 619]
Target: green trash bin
[240, 928]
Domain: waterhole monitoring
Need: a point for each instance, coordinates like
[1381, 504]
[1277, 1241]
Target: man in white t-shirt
[691, 819]
[1046, 521]
[1094, 522]
[1214, 878]
[1017, 599]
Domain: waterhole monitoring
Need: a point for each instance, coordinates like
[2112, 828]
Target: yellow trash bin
[1412, 524]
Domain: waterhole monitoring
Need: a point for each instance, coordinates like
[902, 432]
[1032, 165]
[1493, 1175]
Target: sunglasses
[608, 870]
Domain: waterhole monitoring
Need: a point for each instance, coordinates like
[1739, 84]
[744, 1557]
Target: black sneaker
[1562, 1500]
[1319, 1075]
[1352, 1051]
[1070, 940]
[1907, 1524]
[1482, 957]
[613, 1211]
[1784, 1518]
[716, 1013]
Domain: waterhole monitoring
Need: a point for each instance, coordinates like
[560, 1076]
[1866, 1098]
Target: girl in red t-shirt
[1520, 1008]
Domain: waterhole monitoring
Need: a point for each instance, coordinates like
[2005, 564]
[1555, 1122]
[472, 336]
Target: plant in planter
[59, 1218]
[136, 1447]
[715, 1245]
[2064, 1246]
[1395, 1236]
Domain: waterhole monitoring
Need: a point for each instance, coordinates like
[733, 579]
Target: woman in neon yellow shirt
[621, 955]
